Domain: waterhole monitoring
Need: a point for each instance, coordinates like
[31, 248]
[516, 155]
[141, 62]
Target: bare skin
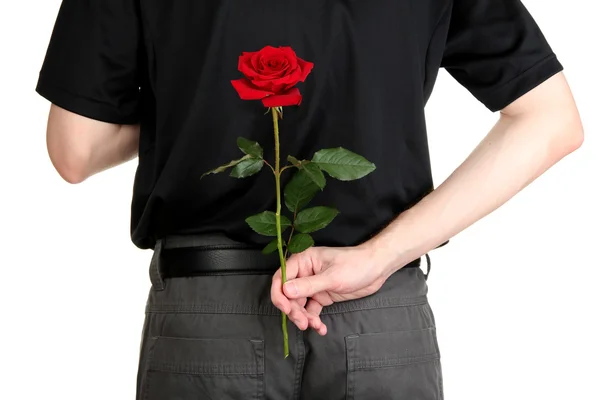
[80, 147]
[532, 134]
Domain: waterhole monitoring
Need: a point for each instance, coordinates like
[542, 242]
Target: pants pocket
[204, 368]
[400, 365]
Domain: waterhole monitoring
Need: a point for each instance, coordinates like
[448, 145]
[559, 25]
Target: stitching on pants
[300, 363]
[253, 309]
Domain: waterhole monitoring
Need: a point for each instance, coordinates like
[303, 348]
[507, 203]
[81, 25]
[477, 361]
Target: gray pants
[219, 338]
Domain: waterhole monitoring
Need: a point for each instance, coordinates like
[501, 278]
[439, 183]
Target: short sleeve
[496, 50]
[91, 64]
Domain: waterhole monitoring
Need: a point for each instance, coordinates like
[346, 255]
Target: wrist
[404, 240]
[384, 256]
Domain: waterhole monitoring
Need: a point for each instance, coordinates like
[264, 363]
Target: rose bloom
[270, 76]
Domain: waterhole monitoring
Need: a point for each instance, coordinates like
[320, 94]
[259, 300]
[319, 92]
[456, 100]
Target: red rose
[271, 75]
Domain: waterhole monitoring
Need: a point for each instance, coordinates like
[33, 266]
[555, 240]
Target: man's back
[375, 67]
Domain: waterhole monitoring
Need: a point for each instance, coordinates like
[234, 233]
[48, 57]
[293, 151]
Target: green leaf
[265, 223]
[250, 147]
[299, 191]
[313, 219]
[224, 167]
[313, 170]
[343, 164]
[300, 242]
[271, 247]
[293, 160]
[315, 174]
[247, 168]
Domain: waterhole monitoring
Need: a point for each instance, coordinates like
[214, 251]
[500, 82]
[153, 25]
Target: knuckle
[309, 287]
[278, 303]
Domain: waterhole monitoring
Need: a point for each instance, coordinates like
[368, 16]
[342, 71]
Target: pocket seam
[357, 365]
[207, 369]
[379, 363]
[254, 368]
[354, 363]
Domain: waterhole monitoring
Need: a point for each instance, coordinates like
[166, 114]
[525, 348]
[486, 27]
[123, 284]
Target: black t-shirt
[168, 65]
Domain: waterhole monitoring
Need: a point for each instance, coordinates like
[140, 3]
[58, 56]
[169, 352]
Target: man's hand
[320, 276]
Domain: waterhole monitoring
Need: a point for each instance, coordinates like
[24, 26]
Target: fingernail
[291, 288]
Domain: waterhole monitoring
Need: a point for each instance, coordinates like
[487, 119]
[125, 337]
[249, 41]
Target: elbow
[72, 174]
[576, 137]
[570, 133]
[69, 160]
[71, 169]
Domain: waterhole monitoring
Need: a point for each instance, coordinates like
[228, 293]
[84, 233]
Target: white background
[516, 296]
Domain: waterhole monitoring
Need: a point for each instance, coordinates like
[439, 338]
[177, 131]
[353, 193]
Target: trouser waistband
[215, 254]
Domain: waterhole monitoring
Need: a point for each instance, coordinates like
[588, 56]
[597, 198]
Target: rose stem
[286, 350]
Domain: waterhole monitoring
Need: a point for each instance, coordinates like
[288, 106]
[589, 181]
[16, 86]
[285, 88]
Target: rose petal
[286, 82]
[289, 98]
[306, 67]
[291, 56]
[272, 66]
[269, 51]
[255, 60]
[269, 76]
[266, 84]
[247, 91]
[245, 65]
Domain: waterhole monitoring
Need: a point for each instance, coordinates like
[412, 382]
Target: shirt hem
[83, 106]
[499, 98]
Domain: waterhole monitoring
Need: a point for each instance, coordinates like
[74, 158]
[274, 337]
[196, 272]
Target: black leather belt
[216, 254]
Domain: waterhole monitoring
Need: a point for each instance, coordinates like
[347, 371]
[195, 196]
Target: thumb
[307, 286]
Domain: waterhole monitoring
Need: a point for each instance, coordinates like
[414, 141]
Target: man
[153, 79]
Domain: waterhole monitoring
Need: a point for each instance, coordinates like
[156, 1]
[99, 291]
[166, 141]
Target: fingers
[296, 311]
[299, 316]
[313, 308]
[277, 297]
[307, 286]
[292, 267]
[304, 319]
[323, 299]
[296, 307]
[302, 301]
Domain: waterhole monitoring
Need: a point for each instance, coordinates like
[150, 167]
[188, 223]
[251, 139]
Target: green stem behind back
[286, 350]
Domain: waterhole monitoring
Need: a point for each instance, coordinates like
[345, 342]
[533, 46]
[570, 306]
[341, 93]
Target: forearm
[114, 149]
[516, 151]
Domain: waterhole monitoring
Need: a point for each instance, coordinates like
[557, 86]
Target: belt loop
[428, 265]
[155, 273]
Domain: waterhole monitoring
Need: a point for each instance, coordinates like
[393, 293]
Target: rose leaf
[314, 219]
[247, 168]
[224, 167]
[343, 164]
[300, 242]
[250, 147]
[265, 223]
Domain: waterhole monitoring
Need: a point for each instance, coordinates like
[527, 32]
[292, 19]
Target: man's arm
[80, 147]
[533, 133]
